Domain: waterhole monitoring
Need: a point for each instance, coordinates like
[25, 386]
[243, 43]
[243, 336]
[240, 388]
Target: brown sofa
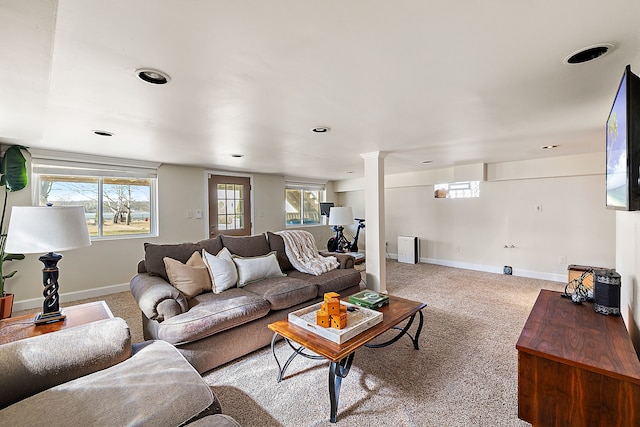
[211, 329]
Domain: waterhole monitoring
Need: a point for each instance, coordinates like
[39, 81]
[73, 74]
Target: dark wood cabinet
[576, 367]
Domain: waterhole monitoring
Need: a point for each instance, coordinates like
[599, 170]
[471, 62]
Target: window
[119, 201]
[457, 190]
[230, 206]
[303, 203]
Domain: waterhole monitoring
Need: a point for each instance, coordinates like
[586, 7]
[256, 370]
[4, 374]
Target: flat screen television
[623, 145]
[325, 208]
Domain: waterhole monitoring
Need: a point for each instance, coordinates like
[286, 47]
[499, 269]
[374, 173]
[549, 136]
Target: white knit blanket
[300, 247]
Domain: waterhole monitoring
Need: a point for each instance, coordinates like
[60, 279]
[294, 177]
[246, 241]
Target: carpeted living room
[465, 372]
[198, 196]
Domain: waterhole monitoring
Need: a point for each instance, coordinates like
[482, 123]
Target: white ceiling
[454, 82]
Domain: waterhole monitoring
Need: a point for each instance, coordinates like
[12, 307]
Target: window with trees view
[114, 206]
[303, 204]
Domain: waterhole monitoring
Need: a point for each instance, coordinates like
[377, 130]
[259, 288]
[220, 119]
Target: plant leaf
[13, 257]
[13, 169]
[9, 275]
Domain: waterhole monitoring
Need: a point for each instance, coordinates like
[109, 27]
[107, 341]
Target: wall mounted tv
[325, 208]
[623, 146]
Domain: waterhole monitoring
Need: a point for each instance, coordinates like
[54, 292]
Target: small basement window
[457, 190]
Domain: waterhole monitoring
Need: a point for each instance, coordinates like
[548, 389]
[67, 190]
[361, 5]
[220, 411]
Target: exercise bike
[339, 243]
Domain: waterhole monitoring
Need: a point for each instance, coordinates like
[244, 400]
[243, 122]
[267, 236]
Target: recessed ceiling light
[237, 155]
[103, 133]
[588, 53]
[321, 129]
[152, 76]
[549, 147]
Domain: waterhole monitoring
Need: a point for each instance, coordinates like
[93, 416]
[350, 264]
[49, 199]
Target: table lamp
[35, 229]
[339, 217]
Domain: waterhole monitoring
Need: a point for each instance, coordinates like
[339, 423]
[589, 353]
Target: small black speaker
[606, 292]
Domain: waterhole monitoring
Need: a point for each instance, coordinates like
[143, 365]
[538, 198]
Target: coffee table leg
[296, 351]
[404, 331]
[337, 371]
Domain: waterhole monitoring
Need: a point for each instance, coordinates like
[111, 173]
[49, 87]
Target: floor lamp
[339, 217]
[36, 229]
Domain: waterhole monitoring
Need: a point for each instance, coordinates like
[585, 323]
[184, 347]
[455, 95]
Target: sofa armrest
[346, 261]
[157, 299]
[32, 365]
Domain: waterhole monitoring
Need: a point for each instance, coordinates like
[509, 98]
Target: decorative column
[374, 214]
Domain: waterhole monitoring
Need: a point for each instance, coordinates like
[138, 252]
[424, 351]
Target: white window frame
[50, 163]
[320, 187]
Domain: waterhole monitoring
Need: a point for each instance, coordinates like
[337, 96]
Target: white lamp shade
[37, 229]
[340, 216]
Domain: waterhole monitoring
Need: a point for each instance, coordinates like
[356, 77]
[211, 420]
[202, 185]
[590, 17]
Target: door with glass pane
[229, 205]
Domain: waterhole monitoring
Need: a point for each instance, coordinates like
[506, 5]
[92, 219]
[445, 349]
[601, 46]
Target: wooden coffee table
[341, 356]
[21, 327]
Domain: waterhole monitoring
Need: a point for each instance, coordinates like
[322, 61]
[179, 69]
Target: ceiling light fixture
[549, 147]
[321, 129]
[155, 77]
[426, 162]
[588, 53]
[237, 156]
[103, 133]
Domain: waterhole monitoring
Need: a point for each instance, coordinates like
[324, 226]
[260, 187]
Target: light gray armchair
[92, 375]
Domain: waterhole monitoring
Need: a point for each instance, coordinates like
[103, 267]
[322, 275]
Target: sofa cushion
[155, 387]
[213, 245]
[283, 292]
[246, 246]
[331, 281]
[154, 256]
[252, 269]
[211, 313]
[222, 270]
[191, 278]
[276, 243]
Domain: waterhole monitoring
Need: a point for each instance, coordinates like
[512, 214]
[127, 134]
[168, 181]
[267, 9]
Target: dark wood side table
[576, 367]
[21, 327]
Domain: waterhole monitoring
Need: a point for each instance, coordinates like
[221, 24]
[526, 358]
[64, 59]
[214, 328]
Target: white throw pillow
[222, 270]
[257, 268]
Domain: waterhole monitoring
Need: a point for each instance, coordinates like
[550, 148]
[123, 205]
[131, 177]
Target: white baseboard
[492, 269]
[72, 296]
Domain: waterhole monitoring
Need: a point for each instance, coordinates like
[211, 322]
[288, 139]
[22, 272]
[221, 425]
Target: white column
[374, 214]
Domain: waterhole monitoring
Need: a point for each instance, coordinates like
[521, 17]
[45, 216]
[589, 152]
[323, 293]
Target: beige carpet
[465, 373]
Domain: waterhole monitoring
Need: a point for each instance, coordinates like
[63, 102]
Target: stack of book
[369, 299]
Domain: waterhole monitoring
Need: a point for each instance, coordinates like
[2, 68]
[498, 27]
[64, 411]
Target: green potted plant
[14, 177]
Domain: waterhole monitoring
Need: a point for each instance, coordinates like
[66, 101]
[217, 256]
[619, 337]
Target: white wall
[628, 266]
[573, 226]
[269, 199]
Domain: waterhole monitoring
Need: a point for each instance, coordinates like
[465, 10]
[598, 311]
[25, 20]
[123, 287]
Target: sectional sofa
[212, 328]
